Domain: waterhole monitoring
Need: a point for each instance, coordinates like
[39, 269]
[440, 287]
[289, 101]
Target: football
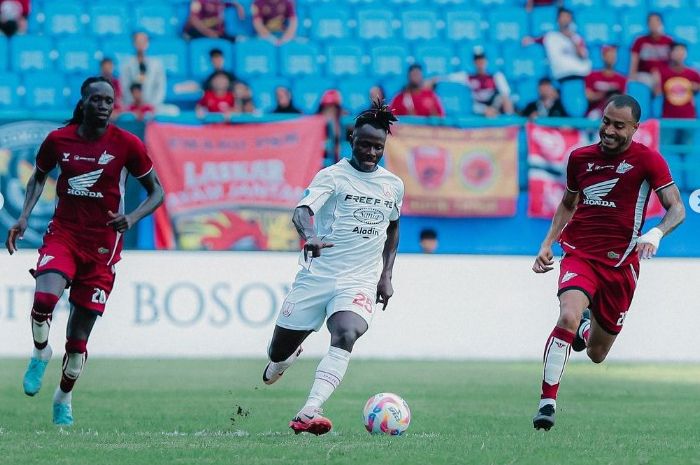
[386, 413]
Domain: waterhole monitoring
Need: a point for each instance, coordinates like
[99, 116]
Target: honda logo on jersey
[594, 194]
[79, 185]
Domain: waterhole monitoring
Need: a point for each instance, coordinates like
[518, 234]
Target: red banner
[548, 151]
[233, 187]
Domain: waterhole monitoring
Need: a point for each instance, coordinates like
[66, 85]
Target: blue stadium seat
[264, 92]
[437, 59]
[157, 18]
[463, 25]
[579, 5]
[657, 106]
[634, 24]
[634, 5]
[109, 20]
[542, 20]
[573, 97]
[492, 51]
[173, 54]
[9, 84]
[375, 23]
[694, 60]
[183, 92]
[31, 53]
[330, 22]
[525, 92]
[597, 27]
[45, 91]
[307, 93]
[119, 49]
[676, 165]
[61, 18]
[491, 4]
[233, 25]
[419, 24]
[508, 24]
[388, 60]
[345, 60]
[355, 94]
[4, 53]
[661, 5]
[77, 55]
[392, 86]
[642, 93]
[684, 27]
[299, 59]
[451, 3]
[456, 98]
[200, 63]
[255, 57]
[623, 60]
[524, 62]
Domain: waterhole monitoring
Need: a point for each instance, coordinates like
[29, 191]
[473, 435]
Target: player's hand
[15, 232]
[384, 291]
[544, 260]
[648, 243]
[312, 248]
[120, 223]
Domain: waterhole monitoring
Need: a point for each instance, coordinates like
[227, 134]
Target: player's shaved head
[624, 100]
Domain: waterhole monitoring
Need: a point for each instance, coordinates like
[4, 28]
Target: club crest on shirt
[105, 158]
[613, 256]
[567, 276]
[287, 308]
[45, 259]
[66, 156]
[623, 167]
[386, 189]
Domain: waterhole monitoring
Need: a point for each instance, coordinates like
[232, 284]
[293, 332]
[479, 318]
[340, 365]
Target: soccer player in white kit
[355, 206]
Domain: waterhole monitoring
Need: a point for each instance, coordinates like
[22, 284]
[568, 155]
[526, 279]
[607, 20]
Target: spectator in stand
[275, 20]
[428, 241]
[603, 84]
[107, 72]
[218, 99]
[417, 98]
[13, 16]
[548, 103]
[216, 56]
[146, 71]
[206, 19]
[376, 92]
[649, 52]
[678, 84]
[138, 107]
[566, 50]
[283, 97]
[244, 98]
[331, 108]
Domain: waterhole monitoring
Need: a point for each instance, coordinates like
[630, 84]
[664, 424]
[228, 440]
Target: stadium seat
[78, 55]
[492, 51]
[491, 4]
[119, 49]
[375, 23]
[183, 92]
[451, 3]
[508, 24]
[264, 92]
[4, 53]
[299, 59]
[525, 92]
[634, 24]
[345, 60]
[597, 27]
[542, 20]
[661, 5]
[157, 18]
[61, 19]
[456, 99]
[45, 91]
[464, 25]
[694, 59]
[307, 93]
[355, 94]
[233, 25]
[437, 60]
[632, 5]
[330, 22]
[109, 20]
[173, 54]
[642, 93]
[9, 85]
[392, 86]
[388, 60]
[524, 62]
[573, 97]
[200, 63]
[255, 57]
[31, 53]
[623, 60]
[580, 5]
[419, 24]
[684, 27]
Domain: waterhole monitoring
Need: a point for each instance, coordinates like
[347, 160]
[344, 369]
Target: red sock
[556, 353]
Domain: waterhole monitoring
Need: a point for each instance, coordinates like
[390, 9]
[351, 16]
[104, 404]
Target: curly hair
[378, 116]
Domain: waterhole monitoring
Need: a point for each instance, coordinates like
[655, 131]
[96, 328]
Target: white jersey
[352, 209]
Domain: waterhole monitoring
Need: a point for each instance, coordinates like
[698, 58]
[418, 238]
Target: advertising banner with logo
[456, 172]
[233, 187]
[548, 153]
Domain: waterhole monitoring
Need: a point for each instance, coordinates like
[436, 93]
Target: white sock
[60, 397]
[40, 330]
[42, 354]
[329, 374]
[552, 402]
[279, 367]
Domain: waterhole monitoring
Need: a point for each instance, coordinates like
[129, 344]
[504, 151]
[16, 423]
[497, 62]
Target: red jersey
[483, 88]
[653, 52]
[614, 191]
[677, 87]
[423, 102]
[274, 14]
[91, 183]
[217, 103]
[209, 12]
[608, 83]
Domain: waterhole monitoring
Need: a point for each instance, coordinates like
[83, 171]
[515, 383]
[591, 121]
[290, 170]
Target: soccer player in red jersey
[84, 238]
[597, 224]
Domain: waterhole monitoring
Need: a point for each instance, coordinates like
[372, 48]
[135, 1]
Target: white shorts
[315, 298]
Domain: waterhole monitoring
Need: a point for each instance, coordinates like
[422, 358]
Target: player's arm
[35, 186]
[670, 198]
[154, 199]
[565, 211]
[385, 289]
[305, 227]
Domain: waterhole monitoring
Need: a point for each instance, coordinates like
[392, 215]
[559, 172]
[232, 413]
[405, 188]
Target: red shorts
[90, 282]
[610, 290]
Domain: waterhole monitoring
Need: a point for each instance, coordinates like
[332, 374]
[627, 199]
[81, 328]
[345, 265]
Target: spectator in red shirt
[275, 20]
[416, 99]
[107, 72]
[206, 19]
[650, 51]
[218, 99]
[138, 107]
[603, 84]
[13, 16]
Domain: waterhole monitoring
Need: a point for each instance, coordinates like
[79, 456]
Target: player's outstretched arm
[670, 198]
[565, 210]
[35, 186]
[305, 227]
[385, 289]
[154, 198]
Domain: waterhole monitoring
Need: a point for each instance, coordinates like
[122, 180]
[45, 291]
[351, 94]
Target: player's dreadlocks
[78, 111]
[379, 116]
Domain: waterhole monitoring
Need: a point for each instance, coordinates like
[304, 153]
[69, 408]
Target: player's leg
[599, 342]
[283, 350]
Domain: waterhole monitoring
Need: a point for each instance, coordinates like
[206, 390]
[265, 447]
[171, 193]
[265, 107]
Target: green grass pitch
[172, 412]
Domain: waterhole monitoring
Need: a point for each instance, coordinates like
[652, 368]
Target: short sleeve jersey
[677, 86]
[352, 209]
[91, 183]
[614, 191]
[274, 13]
[653, 52]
